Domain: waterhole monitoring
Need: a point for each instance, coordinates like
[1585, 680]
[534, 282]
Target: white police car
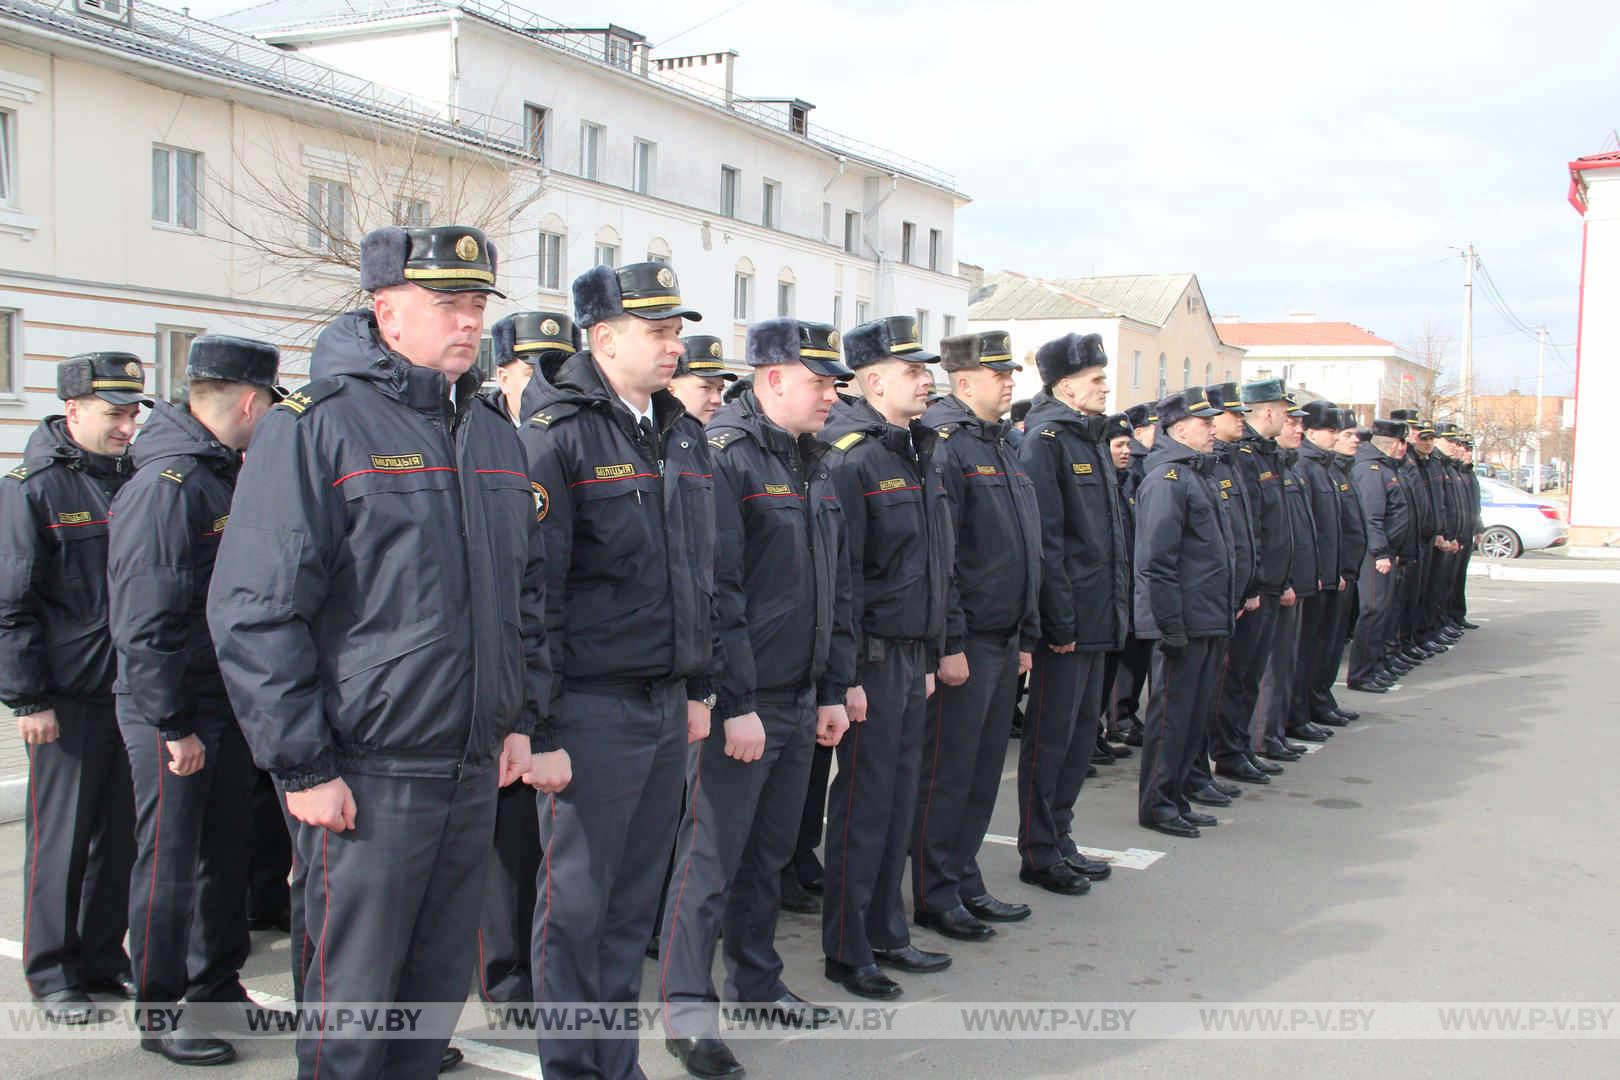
[1517, 521]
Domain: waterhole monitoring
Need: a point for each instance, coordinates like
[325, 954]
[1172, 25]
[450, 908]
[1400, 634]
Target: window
[536, 129]
[1186, 372]
[1262, 373]
[838, 311]
[551, 268]
[10, 379]
[658, 250]
[644, 165]
[936, 248]
[729, 178]
[1164, 377]
[1192, 304]
[1136, 368]
[922, 327]
[173, 346]
[1209, 374]
[176, 175]
[742, 300]
[784, 299]
[590, 150]
[908, 241]
[826, 222]
[852, 231]
[412, 213]
[770, 213]
[328, 214]
[618, 51]
[798, 119]
[607, 254]
[8, 136]
[950, 327]
[863, 311]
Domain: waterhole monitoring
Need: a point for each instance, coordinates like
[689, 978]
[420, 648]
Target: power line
[705, 22]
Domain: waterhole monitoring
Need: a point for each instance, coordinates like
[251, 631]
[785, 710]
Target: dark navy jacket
[377, 603]
[166, 527]
[782, 561]
[1184, 578]
[629, 531]
[1322, 491]
[902, 544]
[998, 528]
[54, 640]
[1384, 503]
[1302, 575]
[1260, 464]
[1425, 512]
[1352, 520]
[1085, 571]
[1242, 491]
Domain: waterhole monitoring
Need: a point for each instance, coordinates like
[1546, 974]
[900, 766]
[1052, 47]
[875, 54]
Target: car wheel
[1500, 542]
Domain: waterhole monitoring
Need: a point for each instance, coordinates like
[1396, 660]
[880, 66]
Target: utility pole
[1468, 338]
[1541, 376]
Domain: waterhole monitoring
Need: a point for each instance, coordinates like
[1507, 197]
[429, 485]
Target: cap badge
[550, 328]
[834, 339]
[714, 349]
[467, 249]
[132, 369]
[666, 278]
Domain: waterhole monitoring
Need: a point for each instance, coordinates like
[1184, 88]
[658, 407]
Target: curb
[13, 800]
[1548, 575]
[1594, 552]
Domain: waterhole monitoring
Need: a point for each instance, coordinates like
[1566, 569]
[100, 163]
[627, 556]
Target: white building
[163, 176]
[1334, 361]
[1594, 498]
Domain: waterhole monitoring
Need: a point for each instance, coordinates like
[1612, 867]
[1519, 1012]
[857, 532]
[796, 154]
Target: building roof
[1148, 298]
[1609, 159]
[1250, 335]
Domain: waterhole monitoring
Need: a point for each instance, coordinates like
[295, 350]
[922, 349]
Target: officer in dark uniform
[993, 624]
[1352, 550]
[193, 776]
[701, 377]
[1084, 606]
[1426, 540]
[528, 347]
[1185, 599]
[378, 611]
[1432, 633]
[56, 673]
[902, 550]
[1124, 699]
[1318, 611]
[536, 342]
[624, 487]
[1388, 517]
[1458, 445]
[1110, 740]
[783, 568]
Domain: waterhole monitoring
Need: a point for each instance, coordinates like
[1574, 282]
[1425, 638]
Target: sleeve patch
[844, 442]
[1171, 474]
[19, 473]
[301, 401]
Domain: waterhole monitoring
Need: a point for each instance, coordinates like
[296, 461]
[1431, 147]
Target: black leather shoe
[1103, 754]
[796, 898]
[1060, 878]
[1176, 826]
[1293, 748]
[1414, 654]
[185, 1047]
[70, 1006]
[1346, 714]
[1243, 771]
[1330, 720]
[910, 959]
[449, 1059]
[1466, 625]
[1373, 687]
[957, 923]
[1279, 751]
[792, 1011]
[652, 949]
[1119, 749]
[1307, 734]
[864, 981]
[989, 909]
[117, 985]
[708, 1058]
[1231, 791]
[1208, 796]
[1133, 735]
[1091, 772]
[1092, 869]
[1436, 644]
[1270, 768]
[1202, 821]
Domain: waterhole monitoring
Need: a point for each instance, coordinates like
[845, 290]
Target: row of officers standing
[504, 653]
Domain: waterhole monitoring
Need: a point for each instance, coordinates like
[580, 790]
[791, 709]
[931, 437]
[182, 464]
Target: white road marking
[1129, 859]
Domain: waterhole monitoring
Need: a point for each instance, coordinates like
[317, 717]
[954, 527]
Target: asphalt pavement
[1453, 845]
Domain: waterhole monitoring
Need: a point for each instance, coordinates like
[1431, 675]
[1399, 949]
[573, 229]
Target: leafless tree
[1440, 397]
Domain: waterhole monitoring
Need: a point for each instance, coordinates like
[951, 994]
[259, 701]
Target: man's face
[902, 387]
[101, 427]
[1267, 418]
[1323, 438]
[1119, 448]
[701, 396]
[1292, 433]
[1146, 434]
[1423, 444]
[1228, 426]
[1345, 442]
[988, 393]
[438, 330]
[795, 397]
[1088, 389]
[1398, 451]
[511, 379]
[1195, 433]
[642, 353]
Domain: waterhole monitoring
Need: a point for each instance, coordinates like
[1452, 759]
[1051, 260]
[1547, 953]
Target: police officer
[624, 487]
[377, 608]
[902, 548]
[535, 343]
[193, 776]
[529, 347]
[1084, 606]
[783, 565]
[1124, 698]
[1110, 740]
[701, 377]
[993, 624]
[1459, 446]
[1426, 541]
[1318, 610]
[1185, 599]
[56, 673]
[1388, 517]
[1352, 550]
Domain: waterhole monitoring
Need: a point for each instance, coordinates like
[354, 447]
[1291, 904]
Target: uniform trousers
[870, 807]
[1247, 652]
[964, 753]
[1060, 734]
[1183, 687]
[1273, 708]
[736, 837]
[78, 847]
[505, 929]
[1377, 596]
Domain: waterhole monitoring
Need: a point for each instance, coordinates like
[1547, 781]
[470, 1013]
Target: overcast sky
[1294, 158]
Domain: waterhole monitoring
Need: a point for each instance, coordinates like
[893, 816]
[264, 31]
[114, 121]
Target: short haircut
[205, 390]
